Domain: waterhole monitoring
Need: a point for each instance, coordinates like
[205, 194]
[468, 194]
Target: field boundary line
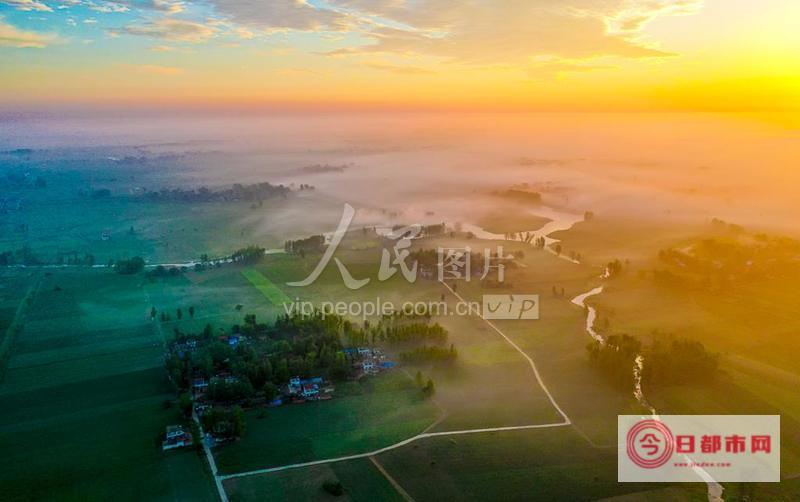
[404, 442]
[15, 327]
[391, 480]
[567, 420]
[212, 464]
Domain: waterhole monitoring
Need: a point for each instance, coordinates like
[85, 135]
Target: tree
[185, 402]
[429, 389]
[191, 311]
[238, 422]
[340, 369]
[129, 267]
[418, 378]
[152, 313]
[335, 488]
[179, 314]
[270, 391]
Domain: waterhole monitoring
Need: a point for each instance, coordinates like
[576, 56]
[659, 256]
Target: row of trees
[430, 355]
[250, 193]
[310, 245]
[21, 256]
[130, 266]
[248, 255]
[672, 362]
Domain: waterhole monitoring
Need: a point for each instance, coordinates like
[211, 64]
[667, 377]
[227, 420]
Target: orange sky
[721, 55]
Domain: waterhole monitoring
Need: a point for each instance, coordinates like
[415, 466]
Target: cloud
[281, 15]
[118, 6]
[27, 5]
[634, 15]
[154, 69]
[167, 6]
[11, 36]
[399, 69]
[484, 32]
[107, 7]
[243, 33]
[177, 30]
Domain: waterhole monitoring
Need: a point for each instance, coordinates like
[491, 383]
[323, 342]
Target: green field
[85, 391]
[364, 416]
[361, 480]
[84, 399]
[490, 385]
[215, 295]
[549, 464]
[271, 292]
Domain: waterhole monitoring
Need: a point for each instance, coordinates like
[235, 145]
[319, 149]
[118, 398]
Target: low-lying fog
[441, 167]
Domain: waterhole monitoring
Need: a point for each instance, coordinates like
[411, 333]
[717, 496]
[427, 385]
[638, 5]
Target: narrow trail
[565, 422]
[212, 464]
[553, 226]
[390, 479]
[385, 449]
[16, 326]
[539, 380]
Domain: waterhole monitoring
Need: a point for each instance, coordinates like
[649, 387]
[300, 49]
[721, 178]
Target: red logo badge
[650, 444]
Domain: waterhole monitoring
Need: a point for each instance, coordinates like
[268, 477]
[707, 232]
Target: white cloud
[510, 31]
[634, 15]
[11, 36]
[107, 7]
[281, 15]
[27, 5]
[172, 29]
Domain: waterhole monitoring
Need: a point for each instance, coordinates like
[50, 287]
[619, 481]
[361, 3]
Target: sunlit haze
[720, 55]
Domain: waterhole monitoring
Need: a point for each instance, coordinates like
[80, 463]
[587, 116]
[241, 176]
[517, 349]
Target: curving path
[565, 422]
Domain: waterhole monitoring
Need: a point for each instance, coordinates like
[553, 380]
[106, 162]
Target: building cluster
[176, 437]
[308, 389]
[367, 361]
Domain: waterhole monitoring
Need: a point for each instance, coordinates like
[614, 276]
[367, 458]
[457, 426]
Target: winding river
[714, 489]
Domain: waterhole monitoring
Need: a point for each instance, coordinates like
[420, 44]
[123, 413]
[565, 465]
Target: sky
[539, 55]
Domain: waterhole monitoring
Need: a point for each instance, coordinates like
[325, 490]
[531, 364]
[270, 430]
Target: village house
[309, 388]
[368, 361]
[199, 384]
[176, 437]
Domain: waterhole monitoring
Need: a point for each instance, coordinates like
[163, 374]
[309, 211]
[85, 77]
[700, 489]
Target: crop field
[12, 290]
[360, 479]
[86, 378]
[743, 328]
[554, 464]
[85, 401]
[365, 415]
[551, 464]
[120, 226]
[271, 292]
[490, 385]
[220, 297]
[557, 342]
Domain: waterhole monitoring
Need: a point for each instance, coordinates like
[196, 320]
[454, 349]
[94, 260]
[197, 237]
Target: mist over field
[399, 250]
[436, 167]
